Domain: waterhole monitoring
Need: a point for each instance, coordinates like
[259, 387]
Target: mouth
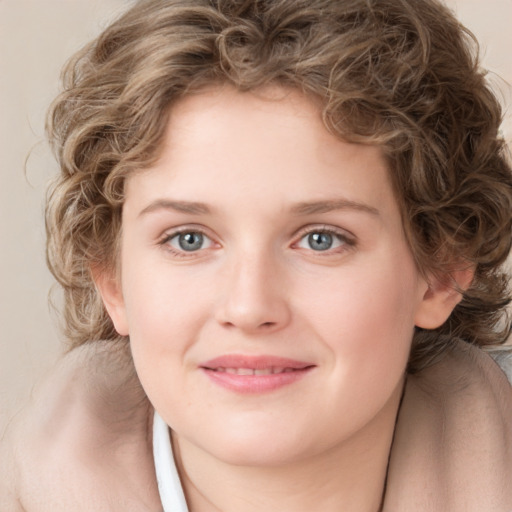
[253, 371]
[255, 374]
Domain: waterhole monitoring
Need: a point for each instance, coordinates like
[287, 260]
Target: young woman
[279, 227]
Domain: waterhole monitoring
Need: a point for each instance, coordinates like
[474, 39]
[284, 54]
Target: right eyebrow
[189, 207]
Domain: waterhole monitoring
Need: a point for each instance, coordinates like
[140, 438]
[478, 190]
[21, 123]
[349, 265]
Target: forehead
[267, 145]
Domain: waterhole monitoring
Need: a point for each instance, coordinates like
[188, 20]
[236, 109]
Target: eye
[189, 241]
[323, 240]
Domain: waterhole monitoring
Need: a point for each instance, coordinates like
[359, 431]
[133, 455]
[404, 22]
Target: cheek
[369, 342]
[160, 301]
[166, 312]
[160, 336]
[368, 319]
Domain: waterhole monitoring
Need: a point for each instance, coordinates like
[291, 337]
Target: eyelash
[346, 240]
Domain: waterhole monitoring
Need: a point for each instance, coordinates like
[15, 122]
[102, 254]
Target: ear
[109, 287]
[441, 297]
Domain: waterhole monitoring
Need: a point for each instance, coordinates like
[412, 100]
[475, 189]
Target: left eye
[321, 241]
[189, 241]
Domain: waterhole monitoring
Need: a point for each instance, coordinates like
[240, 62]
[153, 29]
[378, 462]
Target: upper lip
[254, 362]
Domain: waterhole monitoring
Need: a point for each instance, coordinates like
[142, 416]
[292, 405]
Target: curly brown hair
[403, 75]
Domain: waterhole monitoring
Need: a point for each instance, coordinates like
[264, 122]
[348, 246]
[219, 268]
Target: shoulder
[9, 497]
[84, 438]
[453, 437]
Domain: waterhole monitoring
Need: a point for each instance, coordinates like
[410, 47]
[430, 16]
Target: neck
[348, 476]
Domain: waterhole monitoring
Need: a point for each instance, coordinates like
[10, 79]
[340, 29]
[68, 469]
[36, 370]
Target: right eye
[188, 241]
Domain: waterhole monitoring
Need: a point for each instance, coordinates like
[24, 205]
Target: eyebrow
[313, 207]
[302, 208]
[190, 207]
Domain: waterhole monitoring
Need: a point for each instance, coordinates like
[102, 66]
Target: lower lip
[255, 383]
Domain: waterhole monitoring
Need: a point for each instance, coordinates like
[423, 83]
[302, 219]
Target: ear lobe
[109, 287]
[441, 297]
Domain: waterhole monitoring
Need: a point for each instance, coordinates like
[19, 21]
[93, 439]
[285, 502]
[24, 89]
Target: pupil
[320, 241]
[191, 241]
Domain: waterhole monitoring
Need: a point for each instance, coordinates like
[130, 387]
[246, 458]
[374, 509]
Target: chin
[259, 456]
[254, 447]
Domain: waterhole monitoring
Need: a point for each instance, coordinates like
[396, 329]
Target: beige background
[36, 37]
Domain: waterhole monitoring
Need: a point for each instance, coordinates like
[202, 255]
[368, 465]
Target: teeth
[250, 371]
[263, 371]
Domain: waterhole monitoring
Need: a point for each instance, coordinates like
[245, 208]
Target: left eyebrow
[313, 207]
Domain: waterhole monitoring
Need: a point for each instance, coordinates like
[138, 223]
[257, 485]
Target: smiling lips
[253, 371]
[254, 374]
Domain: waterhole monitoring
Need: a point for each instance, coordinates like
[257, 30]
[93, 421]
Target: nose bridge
[254, 296]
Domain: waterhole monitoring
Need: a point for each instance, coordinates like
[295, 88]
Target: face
[266, 285]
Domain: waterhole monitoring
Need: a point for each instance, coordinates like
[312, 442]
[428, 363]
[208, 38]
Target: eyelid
[325, 228]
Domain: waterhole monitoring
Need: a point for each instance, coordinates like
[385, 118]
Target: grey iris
[190, 241]
[320, 241]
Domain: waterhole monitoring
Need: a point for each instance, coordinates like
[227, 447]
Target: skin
[251, 177]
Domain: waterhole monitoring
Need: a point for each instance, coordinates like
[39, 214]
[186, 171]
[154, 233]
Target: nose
[253, 297]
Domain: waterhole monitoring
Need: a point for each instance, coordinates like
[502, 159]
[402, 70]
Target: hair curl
[403, 75]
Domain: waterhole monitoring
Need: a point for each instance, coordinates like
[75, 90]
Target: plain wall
[36, 38]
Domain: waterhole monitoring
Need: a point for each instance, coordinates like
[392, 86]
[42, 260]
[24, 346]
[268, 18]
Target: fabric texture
[452, 449]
